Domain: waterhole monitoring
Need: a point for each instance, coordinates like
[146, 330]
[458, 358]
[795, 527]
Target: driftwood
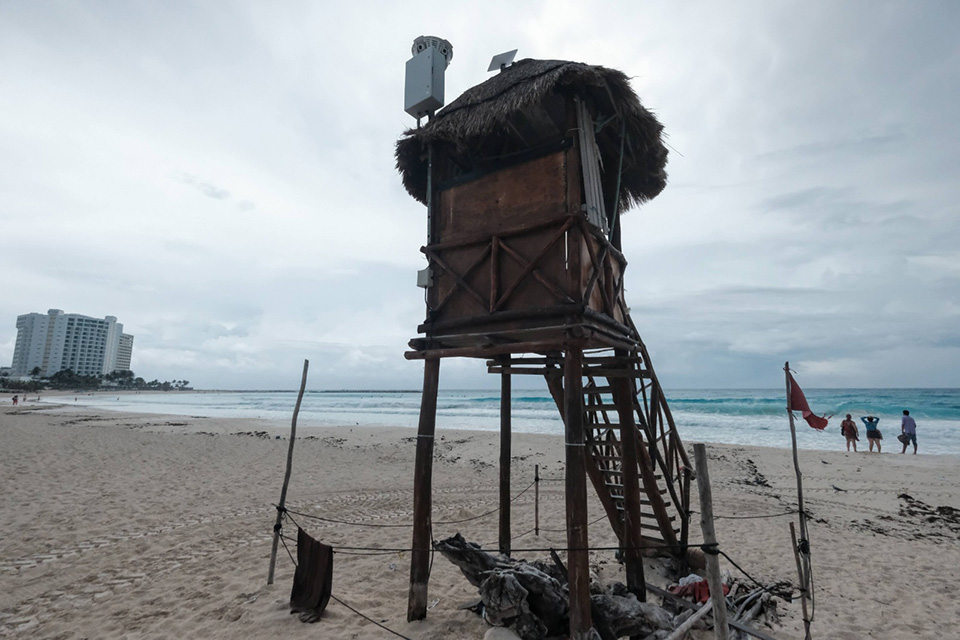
[527, 597]
[532, 597]
[627, 616]
[680, 631]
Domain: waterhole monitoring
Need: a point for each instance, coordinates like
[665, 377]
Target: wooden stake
[796, 460]
[801, 575]
[422, 494]
[286, 476]
[578, 558]
[803, 558]
[685, 523]
[710, 541]
[505, 436]
[536, 500]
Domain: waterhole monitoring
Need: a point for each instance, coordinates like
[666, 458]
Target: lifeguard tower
[526, 177]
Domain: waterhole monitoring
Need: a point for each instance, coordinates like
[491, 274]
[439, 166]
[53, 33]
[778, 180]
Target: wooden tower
[525, 177]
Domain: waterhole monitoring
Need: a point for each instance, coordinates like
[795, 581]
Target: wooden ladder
[663, 467]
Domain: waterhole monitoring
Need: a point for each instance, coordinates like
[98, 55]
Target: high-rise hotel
[56, 341]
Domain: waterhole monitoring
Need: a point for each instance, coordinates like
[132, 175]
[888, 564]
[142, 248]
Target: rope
[588, 524]
[335, 521]
[284, 542]
[755, 581]
[769, 515]
[813, 598]
[712, 549]
[483, 515]
[368, 618]
[389, 526]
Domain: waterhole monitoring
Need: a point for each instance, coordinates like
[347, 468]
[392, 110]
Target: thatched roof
[493, 108]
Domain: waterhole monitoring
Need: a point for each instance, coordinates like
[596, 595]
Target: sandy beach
[117, 525]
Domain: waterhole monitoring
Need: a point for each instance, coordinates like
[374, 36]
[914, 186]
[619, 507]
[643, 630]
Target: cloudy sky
[220, 177]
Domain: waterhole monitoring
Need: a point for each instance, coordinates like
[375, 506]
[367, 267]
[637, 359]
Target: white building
[58, 341]
[124, 352]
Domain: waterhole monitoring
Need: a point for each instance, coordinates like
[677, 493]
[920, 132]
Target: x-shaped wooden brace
[530, 268]
[460, 280]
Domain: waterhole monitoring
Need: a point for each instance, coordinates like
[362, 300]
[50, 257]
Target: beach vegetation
[69, 379]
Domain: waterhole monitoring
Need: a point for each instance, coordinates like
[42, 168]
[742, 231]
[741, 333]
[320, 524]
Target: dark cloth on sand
[313, 579]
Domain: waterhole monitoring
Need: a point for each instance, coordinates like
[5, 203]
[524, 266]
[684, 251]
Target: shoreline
[314, 416]
[124, 524]
[278, 427]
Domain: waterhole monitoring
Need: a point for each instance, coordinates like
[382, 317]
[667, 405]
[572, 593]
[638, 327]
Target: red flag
[798, 402]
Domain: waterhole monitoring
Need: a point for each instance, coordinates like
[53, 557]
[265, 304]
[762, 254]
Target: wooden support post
[578, 557]
[422, 494]
[803, 548]
[286, 476]
[685, 473]
[536, 500]
[710, 542]
[630, 441]
[505, 435]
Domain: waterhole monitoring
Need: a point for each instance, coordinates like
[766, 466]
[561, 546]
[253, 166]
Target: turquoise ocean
[741, 416]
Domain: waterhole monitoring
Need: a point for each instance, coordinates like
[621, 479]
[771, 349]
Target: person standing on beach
[873, 432]
[909, 428]
[15, 400]
[849, 430]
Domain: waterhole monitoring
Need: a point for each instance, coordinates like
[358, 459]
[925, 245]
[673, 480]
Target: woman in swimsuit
[873, 433]
[849, 430]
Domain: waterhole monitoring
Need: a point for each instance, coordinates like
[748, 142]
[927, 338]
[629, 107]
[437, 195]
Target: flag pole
[803, 567]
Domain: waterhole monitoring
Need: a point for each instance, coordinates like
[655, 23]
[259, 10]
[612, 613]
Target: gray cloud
[207, 189]
[221, 179]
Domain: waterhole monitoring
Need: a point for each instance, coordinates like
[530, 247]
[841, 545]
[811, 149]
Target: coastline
[123, 524]
[754, 418]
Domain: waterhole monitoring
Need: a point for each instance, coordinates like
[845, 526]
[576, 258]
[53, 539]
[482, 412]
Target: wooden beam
[578, 557]
[633, 560]
[494, 272]
[505, 435]
[484, 238]
[710, 543]
[286, 475]
[423, 494]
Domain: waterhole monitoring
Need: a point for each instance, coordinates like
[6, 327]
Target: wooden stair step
[612, 359]
[619, 489]
[648, 516]
[645, 502]
[597, 390]
[619, 472]
[646, 512]
[600, 407]
[608, 372]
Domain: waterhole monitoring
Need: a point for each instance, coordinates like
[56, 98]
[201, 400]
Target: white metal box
[423, 93]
